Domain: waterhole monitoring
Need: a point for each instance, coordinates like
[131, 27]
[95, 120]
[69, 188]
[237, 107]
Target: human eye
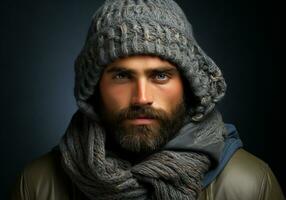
[120, 76]
[161, 77]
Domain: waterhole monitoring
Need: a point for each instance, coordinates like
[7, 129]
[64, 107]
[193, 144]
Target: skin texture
[142, 100]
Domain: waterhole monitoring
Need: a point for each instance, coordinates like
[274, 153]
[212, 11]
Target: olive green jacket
[245, 177]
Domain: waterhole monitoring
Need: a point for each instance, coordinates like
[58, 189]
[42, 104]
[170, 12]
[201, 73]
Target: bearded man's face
[142, 102]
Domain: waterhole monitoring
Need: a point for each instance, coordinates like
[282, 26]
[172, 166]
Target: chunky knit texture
[165, 175]
[123, 28]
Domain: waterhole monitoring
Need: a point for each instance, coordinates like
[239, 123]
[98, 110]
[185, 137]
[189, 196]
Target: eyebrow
[116, 69]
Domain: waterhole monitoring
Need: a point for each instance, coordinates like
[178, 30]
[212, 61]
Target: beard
[146, 138]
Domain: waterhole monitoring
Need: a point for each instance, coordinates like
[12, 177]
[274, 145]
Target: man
[147, 126]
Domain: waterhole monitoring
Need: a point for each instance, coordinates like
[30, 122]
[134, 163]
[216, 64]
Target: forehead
[141, 62]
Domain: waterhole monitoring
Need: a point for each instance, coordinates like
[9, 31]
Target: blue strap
[232, 143]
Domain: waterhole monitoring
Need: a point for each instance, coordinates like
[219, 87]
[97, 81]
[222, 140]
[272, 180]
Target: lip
[141, 121]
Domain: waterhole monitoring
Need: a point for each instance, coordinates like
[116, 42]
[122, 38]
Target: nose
[142, 94]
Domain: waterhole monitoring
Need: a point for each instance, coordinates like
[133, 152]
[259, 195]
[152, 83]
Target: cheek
[170, 95]
[114, 98]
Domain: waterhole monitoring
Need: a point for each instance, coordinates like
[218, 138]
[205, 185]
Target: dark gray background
[41, 39]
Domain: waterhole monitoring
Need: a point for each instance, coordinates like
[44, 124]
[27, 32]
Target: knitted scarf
[166, 174]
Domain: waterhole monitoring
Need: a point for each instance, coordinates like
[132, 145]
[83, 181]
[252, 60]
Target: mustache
[133, 112]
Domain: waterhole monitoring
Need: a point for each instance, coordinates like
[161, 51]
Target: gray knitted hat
[123, 28]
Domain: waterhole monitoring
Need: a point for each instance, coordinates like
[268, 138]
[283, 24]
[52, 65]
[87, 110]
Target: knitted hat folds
[123, 28]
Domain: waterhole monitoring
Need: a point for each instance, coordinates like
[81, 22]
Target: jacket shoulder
[46, 166]
[246, 177]
[42, 179]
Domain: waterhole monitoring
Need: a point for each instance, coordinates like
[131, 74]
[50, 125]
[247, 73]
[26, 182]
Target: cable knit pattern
[165, 175]
[123, 28]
